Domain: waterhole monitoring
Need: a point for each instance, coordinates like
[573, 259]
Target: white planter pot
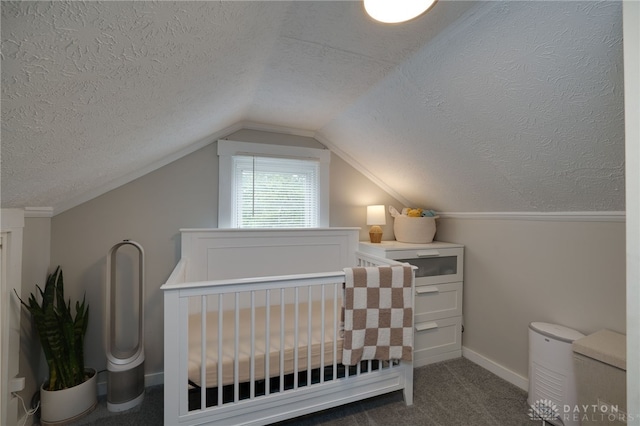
[67, 405]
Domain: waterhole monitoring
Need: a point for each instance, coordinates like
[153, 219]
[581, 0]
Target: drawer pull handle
[426, 326]
[428, 253]
[424, 290]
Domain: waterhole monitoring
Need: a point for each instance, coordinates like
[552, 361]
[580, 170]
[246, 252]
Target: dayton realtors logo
[547, 410]
[544, 410]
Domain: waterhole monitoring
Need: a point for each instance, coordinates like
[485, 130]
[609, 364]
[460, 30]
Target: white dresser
[438, 301]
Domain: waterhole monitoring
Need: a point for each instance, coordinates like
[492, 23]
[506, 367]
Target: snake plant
[61, 334]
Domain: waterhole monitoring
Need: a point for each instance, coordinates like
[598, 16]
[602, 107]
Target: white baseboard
[497, 369]
[152, 379]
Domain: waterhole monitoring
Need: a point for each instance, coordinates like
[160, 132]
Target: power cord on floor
[28, 413]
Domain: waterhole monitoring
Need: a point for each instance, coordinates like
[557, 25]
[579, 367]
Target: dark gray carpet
[455, 392]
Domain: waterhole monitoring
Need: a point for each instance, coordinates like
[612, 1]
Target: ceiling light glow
[394, 11]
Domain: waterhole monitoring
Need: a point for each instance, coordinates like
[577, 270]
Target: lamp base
[375, 234]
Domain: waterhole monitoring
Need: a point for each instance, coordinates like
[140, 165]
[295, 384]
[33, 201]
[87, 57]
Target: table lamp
[376, 216]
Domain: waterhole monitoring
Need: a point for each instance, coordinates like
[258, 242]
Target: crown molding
[595, 216]
[38, 212]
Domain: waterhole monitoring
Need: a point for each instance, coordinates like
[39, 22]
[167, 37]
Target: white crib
[262, 308]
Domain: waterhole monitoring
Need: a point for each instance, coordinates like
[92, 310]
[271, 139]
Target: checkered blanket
[378, 314]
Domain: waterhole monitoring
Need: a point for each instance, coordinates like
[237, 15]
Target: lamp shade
[376, 215]
[394, 11]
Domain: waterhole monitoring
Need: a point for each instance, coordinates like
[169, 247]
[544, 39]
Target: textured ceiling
[476, 106]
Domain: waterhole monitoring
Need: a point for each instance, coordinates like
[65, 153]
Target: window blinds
[271, 192]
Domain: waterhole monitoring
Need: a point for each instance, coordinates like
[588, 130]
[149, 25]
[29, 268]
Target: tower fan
[125, 348]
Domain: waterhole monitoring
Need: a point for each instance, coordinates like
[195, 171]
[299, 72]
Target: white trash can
[552, 384]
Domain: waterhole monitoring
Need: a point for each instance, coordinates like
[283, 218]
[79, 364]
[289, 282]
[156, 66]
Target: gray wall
[151, 210]
[520, 271]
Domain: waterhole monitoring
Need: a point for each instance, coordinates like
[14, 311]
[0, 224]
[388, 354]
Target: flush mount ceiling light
[394, 11]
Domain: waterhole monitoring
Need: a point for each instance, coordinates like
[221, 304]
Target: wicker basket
[416, 230]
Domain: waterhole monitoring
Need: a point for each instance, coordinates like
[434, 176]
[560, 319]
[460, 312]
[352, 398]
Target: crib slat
[309, 336]
[252, 357]
[267, 341]
[281, 340]
[335, 331]
[322, 332]
[296, 322]
[236, 367]
[203, 351]
[220, 329]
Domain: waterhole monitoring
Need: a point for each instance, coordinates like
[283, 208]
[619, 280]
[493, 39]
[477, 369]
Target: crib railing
[307, 353]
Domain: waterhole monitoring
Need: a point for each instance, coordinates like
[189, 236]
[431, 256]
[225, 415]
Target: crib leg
[408, 384]
[408, 395]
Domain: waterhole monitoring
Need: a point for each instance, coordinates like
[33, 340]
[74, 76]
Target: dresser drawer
[435, 265]
[437, 340]
[437, 301]
[436, 262]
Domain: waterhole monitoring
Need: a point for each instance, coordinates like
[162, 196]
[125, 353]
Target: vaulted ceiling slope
[475, 107]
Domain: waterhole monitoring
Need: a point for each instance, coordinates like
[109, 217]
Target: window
[272, 186]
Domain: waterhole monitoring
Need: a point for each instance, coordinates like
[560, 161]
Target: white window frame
[227, 149]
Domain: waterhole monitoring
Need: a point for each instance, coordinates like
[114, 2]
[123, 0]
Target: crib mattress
[305, 346]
